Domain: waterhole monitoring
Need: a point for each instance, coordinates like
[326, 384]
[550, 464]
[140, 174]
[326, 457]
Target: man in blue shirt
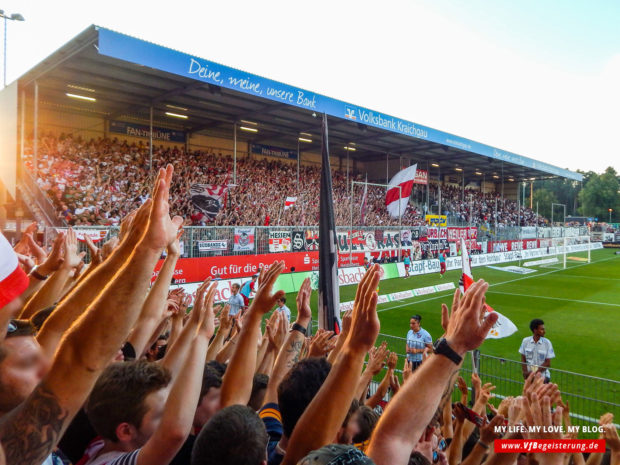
[418, 339]
[247, 289]
[236, 302]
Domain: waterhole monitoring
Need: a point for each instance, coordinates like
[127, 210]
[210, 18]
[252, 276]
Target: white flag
[399, 190]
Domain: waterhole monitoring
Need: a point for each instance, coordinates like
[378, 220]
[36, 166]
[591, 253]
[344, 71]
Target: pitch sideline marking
[555, 298]
[492, 285]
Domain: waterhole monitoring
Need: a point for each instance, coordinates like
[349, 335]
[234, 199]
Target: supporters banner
[139, 130]
[421, 177]
[210, 246]
[279, 241]
[244, 239]
[270, 151]
[432, 233]
[298, 243]
[399, 190]
[456, 234]
[311, 240]
[436, 220]
[96, 235]
[208, 198]
[369, 241]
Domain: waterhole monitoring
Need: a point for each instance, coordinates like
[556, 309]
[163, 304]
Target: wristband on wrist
[35, 274]
[298, 327]
[486, 446]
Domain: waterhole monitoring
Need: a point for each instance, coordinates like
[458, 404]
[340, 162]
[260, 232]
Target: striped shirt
[272, 419]
[417, 340]
[536, 353]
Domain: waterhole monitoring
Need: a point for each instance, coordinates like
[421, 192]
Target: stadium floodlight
[174, 107]
[495, 176]
[303, 139]
[350, 149]
[13, 17]
[436, 165]
[76, 87]
[245, 128]
[176, 115]
[458, 169]
[478, 173]
[252, 123]
[81, 97]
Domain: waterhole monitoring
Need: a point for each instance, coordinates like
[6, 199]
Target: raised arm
[289, 354]
[30, 432]
[155, 303]
[324, 416]
[82, 296]
[237, 382]
[53, 287]
[176, 421]
[398, 430]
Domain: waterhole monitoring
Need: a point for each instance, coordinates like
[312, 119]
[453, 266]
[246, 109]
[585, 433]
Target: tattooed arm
[289, 353]
[30, 432]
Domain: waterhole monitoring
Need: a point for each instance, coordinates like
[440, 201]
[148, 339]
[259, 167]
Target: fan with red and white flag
[503, 327]
[289, 202]
[399, 190]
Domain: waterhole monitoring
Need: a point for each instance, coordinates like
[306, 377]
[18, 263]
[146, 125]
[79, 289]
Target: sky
[541, 79]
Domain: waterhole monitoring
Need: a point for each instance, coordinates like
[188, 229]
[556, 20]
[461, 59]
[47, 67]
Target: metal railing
[194, 237]
[589, 397]
[41, 200]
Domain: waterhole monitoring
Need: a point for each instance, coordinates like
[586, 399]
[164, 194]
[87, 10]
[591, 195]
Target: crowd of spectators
[97, 182]
[98, 369]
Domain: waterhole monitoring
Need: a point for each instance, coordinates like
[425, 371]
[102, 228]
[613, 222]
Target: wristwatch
[298, 327]
[37, 275]
[442, 347]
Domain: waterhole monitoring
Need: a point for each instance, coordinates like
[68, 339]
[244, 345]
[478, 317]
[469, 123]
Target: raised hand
[487, 432]
[468, 326]
[376, 358]
[365, 322]
[96, 256]
[392, 361]
[72, 258]
[462, 385]
[265, 299]
[322, 343]
[538, 413]
[407, 370]
[54, 259]
[35, 250]
[161, 231]
[304, 313]
[206, 325]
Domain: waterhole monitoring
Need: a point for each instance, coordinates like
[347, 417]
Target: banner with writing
[140, 130]
[270, 151]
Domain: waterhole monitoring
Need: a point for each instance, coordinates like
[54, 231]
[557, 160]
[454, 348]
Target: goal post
[572, 250]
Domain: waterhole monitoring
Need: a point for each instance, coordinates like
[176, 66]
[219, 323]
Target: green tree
[544, 197]
[599, 194]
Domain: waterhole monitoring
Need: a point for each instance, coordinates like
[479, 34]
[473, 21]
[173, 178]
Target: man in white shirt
[536, 351]
[281, 307]
[235, 301]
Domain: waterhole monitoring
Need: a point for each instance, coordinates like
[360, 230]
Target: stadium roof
[127, 76]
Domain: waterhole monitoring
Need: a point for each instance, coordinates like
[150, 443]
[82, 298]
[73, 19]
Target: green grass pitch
[580, 306]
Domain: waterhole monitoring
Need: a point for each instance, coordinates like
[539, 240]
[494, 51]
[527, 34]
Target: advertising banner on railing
[244, 239]
[95, 235]
[211, 246]
[279, 241]
[369, 241]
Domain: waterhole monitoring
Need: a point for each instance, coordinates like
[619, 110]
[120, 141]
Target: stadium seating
[97, 182]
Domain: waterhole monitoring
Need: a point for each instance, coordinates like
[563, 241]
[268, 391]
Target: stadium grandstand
[90, 111]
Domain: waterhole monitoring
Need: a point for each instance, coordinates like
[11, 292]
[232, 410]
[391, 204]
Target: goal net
[571, 251]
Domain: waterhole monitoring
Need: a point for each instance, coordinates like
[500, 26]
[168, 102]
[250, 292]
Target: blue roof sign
[123, 47]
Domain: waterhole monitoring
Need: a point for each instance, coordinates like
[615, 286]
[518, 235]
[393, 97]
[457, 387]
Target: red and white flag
[399, 190]
[13, 280]
[503, 327]
[289, 202]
